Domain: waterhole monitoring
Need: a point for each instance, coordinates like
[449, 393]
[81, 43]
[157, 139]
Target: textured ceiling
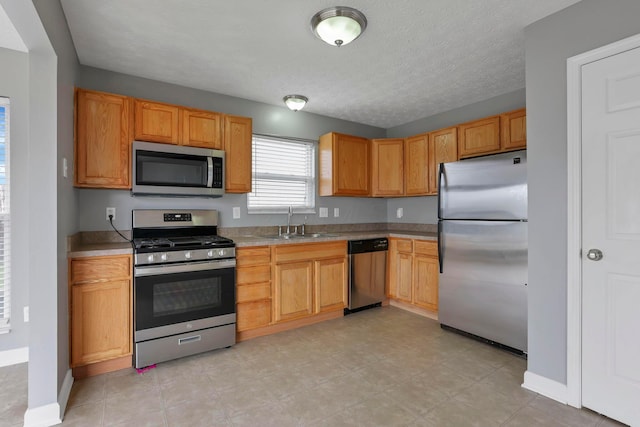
[415, 59]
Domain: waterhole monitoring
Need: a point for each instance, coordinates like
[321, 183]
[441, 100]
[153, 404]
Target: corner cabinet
[237, 147]
[387, 172]
[308, 279]
[413, 272]
[100, 309]
[345, 163]
[102, 140]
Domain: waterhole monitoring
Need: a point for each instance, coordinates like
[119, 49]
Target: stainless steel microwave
[173, 170]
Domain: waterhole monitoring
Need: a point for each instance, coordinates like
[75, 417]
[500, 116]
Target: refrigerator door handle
[440, 252]
[440, 175]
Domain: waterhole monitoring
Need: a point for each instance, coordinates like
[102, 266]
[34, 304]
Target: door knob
[594, 254]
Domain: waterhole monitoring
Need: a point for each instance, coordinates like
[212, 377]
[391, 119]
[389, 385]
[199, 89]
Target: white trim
[53, 413]
[13, 357]
[546, 387]
[574, 210]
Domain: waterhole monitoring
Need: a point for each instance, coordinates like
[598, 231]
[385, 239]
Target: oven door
[173, 299]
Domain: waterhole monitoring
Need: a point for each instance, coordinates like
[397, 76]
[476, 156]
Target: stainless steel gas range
[184, 285]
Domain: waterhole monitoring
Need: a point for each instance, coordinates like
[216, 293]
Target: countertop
[84, 247]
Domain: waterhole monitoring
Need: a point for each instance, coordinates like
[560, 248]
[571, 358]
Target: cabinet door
[404, 276]
[514, 130]
[156, 122]
[425, 276]
[293, 290]
[416, 156]
[349, 172]
[202, 129]
[253, 314]
[102, 140]
[330, 284]
[443, 148]
[100, 321]
[237, 147]
[479, 137]
[387, 172]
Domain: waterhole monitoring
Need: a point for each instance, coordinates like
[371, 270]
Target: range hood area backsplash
[92, 204]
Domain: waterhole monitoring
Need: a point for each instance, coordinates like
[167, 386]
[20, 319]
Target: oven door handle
[156, 270]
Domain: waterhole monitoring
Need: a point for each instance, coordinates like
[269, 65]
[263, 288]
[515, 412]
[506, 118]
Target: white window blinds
[5, 299]
[283, 175]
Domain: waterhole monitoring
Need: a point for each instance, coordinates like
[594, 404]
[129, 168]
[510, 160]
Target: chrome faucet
[289, 219]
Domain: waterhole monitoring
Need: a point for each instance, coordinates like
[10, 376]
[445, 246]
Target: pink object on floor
[145, 369]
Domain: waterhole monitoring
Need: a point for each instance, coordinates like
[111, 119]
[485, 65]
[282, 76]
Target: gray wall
[267, 119]
[549, 42]
[14, 84]
[55, 24]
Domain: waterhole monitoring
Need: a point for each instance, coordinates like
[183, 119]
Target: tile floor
[385, 367]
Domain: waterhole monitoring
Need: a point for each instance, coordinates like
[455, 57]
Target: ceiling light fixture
[338, 25]
[295, 102]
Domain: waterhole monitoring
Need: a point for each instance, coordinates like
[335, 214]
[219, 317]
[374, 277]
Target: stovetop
[181, 243]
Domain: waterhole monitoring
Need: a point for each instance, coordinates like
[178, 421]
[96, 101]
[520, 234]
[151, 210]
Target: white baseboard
[53, 413]
[546, 387]
[13, 357]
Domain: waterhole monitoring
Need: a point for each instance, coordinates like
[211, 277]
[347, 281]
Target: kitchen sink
[299, 236]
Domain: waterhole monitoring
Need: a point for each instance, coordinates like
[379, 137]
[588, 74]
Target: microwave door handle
[209, 172]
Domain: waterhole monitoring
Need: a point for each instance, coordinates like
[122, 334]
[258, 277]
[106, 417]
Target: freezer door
[482, 287]
[492, 187]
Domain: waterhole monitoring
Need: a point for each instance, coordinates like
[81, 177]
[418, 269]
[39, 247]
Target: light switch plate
[336, 212]
[399, 213]
[236, 212]
[324, 212]
[65, 167]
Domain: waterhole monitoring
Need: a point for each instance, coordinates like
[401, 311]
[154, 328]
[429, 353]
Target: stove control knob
[163, 257]
[221, 252]
[187, 255]
[150, 258]
[210, 254]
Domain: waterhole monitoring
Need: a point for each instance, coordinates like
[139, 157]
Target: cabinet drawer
[253, 256]
[259, 273]
[426, 248]
[252, 315]
[313, 251]
[256, 291]
[405, 246]
[96, 269]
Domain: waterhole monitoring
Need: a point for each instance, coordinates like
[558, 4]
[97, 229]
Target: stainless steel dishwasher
[367, 273]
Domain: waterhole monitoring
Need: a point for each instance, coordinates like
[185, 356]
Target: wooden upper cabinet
[479, 137]
[387, 158]
[443, 148]
[237, 147]
[416, 173]
[513, 133]
[156, 122]
[344, 165]
[202, 129]
[102, 140]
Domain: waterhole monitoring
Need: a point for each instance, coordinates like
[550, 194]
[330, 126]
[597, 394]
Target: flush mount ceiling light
[295, 102]
[338, 25]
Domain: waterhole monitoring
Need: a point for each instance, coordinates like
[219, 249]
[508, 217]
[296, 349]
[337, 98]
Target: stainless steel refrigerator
[482, 242]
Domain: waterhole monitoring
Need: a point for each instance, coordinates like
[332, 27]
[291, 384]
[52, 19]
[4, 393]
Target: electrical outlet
[111, 211]
[336, 212]
[236, 212]
[324, 212]
[399, 213]
[25, 313]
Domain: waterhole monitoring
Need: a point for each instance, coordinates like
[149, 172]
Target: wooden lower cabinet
[100, 309]
[309, 279]
[253, 288]
[413, 272]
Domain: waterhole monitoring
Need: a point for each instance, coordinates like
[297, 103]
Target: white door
[611, 224]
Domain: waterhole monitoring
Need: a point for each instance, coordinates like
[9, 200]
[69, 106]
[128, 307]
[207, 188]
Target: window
[4, 216]
[283, 175]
